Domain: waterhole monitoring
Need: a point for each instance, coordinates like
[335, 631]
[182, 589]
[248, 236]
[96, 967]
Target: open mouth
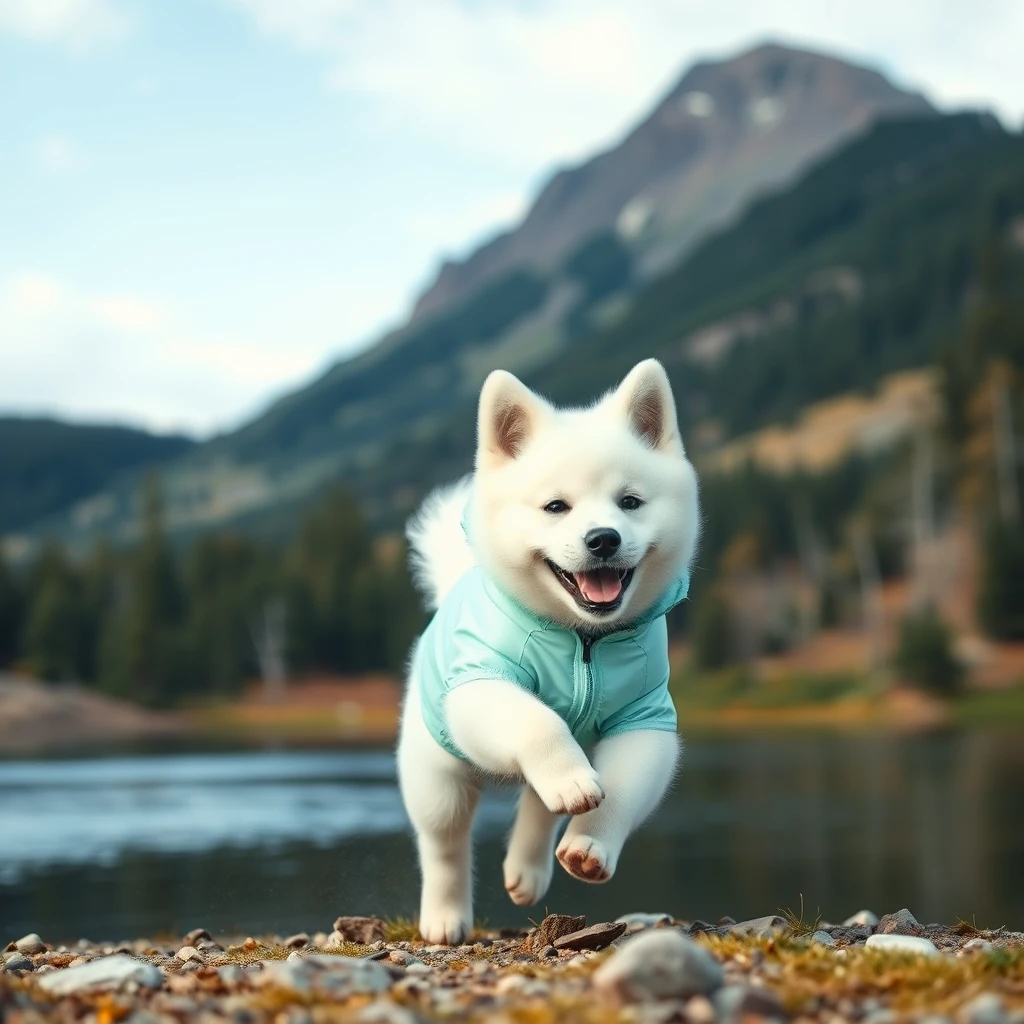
[595, 590]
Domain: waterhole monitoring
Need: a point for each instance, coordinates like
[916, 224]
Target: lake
[118, 846]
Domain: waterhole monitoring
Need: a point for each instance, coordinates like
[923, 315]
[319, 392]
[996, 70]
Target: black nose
[603, 541]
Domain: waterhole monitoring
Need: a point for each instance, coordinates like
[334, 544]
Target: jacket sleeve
[653, 709]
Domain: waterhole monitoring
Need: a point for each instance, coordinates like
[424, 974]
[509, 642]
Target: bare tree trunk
[923, 518]
[1006, 450]
[812, 563]
[871, 593]
[269, 634]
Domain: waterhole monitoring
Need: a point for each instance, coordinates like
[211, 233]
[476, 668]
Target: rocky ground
[642, 969]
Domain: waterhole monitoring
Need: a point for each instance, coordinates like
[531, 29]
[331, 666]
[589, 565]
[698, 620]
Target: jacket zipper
[586, 705]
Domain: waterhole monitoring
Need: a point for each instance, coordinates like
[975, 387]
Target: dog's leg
[531, 846]
[440, 794]
[636, 769]
[507, 731]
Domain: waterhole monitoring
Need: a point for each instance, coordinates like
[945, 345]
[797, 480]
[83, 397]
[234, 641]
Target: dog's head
[584, 516]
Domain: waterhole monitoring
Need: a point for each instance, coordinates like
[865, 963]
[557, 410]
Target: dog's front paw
[585, 858]
[527, 883]
[575, 791]
[445, 927]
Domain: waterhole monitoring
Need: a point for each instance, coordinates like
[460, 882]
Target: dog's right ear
[508, 415]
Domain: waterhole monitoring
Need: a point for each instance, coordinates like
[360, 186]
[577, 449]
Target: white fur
[529, 453]
[439, 551]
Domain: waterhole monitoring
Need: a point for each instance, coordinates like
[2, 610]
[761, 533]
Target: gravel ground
[642, 968]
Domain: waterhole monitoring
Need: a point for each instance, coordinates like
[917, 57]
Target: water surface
[120, 846]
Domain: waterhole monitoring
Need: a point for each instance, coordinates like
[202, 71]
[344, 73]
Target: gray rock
[30, 945]
[18, 962]
[734, 1002]
[862, 919]
[987, 1008]
[660, 964]
[231, 974]
[902, 922]
[639, 922]
[760, 927]
[325, 974]
[902, 944]
[823, 939]
[597, 936]
[108, 972]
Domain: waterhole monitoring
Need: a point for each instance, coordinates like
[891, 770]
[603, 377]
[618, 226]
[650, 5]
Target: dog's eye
[630, 503]
[556, 507]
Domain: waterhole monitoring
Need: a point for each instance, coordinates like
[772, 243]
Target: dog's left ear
[646, 398]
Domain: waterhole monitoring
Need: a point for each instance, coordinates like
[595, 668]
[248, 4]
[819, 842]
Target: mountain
[726, 130]
[47, 465]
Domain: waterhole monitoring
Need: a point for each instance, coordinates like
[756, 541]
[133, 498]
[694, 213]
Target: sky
[205, 203]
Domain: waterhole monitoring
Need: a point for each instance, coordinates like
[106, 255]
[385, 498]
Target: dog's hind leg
[440, 794]
[636, 769]
[531, 846]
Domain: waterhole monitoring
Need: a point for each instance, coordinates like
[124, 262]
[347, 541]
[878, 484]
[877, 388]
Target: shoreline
[642, 969]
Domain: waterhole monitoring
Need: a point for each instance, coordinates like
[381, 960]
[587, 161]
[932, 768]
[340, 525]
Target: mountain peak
[728, 127]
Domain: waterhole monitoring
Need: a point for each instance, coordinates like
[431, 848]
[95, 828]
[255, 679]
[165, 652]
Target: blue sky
[205, 202]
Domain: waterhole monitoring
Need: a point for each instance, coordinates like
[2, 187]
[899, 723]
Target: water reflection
[285, 840]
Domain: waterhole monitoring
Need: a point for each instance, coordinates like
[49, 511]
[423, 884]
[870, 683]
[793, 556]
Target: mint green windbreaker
[599, 686]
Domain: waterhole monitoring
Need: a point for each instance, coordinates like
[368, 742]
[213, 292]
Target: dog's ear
[508, 415]
[646, 398]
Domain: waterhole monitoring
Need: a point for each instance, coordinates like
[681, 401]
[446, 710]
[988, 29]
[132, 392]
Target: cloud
[546, 82]
[127, 357]
[77, 25]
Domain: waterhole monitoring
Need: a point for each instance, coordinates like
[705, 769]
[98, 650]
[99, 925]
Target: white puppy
[551, 570]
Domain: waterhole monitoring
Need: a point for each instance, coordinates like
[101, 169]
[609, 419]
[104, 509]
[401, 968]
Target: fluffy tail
[439, 551]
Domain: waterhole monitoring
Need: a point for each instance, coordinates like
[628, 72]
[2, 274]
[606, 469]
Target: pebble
[640, 922]
[902, 922]
[734, 1002]
[882, 1016]
[402, 958]
[196, 936]
[984, 1009]
[555, 926]
[30, 945]
[978, 945]
[18, 962]
[902, 944]
[364, 930]
[325, 974]
[762, 927]
[597, 936]
[823, 938]
[862, 919]
[108, 972]
[547, 952]
[700, 1010]
[187, 953]
[659, 964]
[382, 1012]
[297, 941]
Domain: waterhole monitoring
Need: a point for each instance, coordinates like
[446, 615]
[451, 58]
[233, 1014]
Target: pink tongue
[599, 585]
